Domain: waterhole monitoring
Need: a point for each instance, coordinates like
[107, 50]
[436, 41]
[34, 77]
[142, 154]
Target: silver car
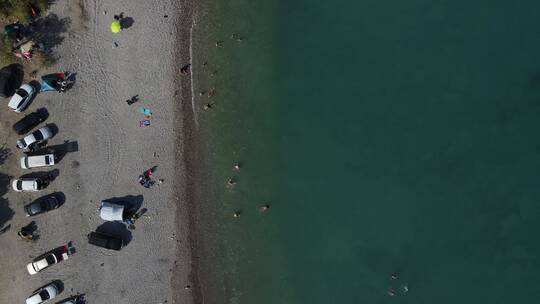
[40, 135]
[20, 99]
[43, 294]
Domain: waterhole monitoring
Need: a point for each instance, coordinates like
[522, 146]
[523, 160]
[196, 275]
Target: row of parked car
[18, 103]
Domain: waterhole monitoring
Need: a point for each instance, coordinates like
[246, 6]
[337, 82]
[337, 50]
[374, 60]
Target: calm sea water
[388, 137]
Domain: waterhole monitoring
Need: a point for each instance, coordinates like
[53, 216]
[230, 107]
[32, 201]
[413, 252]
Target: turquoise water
[388, 137]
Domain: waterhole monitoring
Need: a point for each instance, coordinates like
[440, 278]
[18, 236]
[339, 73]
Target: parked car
[28, 184]
[47, 259]
[43, 294]
[105, 240]
[35, 161]
[30, 121]
[35, 137]
[22, 96]
[42, 205]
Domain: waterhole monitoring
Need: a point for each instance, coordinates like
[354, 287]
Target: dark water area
[388, 137]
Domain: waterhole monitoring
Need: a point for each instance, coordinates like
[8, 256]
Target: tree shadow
[11, 77]
[59, 151]
[6, 213]
[5, 152]
[116, 229]
[48, 31]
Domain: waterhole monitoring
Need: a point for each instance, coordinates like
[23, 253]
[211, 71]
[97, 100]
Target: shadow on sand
[6, 213]
[49, 30]
[59, 151]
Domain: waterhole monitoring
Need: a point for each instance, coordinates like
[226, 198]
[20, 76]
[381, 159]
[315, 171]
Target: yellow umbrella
[116, 27]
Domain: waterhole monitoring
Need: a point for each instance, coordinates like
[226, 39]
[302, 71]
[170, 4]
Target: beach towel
[147, 112]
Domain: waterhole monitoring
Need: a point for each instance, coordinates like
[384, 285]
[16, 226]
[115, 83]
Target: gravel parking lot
[105, 151]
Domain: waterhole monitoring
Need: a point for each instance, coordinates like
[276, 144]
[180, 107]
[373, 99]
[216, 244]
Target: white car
[42, 134]
[28, 184]
[46, 160]
[41, 263]
[44, 294]
[20, 99]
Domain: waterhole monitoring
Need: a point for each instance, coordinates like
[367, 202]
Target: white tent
[111, 212]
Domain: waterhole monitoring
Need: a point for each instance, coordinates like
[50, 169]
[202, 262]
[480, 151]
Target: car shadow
[6, 213]
[47, 176]
[71, 79]
[59, 151]
[116, 229]
[77, 299]
[57, 283]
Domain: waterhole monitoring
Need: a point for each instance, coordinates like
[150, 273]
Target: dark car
[105, 240]
[42, 205]
[30, 121]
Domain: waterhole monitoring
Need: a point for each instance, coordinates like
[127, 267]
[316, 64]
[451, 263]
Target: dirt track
[106, 152]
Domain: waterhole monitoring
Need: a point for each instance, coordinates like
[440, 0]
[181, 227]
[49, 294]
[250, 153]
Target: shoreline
[187, 161]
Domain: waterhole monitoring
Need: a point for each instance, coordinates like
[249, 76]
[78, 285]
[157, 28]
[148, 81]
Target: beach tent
[50, 82]
[116, 27]
[111, 212]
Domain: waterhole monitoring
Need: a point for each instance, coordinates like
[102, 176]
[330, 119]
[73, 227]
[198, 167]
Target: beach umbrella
[116, 27]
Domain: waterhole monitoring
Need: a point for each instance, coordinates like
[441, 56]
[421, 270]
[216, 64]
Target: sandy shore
[112, 151]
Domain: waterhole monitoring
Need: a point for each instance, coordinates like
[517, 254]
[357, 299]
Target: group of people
[145, 179]
[403, 287]
[231, 182]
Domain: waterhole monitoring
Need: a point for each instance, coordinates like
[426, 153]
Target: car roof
[30, 138]
[41, 263]
[28, 182]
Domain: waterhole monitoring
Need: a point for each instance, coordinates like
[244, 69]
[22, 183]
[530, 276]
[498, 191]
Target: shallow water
[387, 137]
